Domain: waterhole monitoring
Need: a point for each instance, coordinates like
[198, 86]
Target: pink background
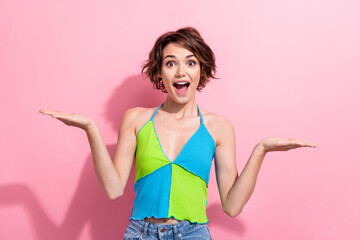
[286, 69]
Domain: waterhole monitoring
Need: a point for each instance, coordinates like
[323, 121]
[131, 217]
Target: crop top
[165, 188]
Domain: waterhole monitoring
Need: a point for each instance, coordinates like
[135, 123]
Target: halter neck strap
[201, 117]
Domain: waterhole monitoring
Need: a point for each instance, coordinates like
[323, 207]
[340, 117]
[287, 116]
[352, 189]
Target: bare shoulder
[215, 121]
[217, 125]
[136, 117]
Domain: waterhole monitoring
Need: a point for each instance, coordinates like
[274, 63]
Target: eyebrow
[173, 56]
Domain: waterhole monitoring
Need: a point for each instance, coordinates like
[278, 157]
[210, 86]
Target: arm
[112, 174]
[105, 170]
[243, 186]
[236, 190]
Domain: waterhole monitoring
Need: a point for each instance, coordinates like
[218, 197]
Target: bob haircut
[189, 38]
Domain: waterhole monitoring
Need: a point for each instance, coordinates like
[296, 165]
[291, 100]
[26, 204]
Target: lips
[181, 86]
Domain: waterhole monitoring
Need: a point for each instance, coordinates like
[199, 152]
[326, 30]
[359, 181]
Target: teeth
[181, 83]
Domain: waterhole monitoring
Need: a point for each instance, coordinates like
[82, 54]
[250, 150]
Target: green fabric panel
[188, 195]
[149, 156]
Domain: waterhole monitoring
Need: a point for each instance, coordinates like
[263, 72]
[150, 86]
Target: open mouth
[181, 86]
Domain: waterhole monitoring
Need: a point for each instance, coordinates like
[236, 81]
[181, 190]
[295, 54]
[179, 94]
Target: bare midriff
[162, 220]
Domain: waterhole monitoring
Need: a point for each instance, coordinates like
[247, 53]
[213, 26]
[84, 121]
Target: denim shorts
[142, 229]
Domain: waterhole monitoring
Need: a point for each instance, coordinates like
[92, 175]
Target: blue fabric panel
[198, 153]
[152, 194]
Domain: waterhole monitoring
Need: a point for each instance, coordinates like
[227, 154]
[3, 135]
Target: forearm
[244, 185]
[104, 167]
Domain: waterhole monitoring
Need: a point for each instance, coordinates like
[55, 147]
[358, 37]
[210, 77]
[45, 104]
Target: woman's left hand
[278, 144]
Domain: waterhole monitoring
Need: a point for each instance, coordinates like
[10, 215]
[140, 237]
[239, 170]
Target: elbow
[114, 196]
[114, 191]
[233, 212]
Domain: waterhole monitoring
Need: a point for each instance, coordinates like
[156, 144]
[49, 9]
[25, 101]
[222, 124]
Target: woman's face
[180, 72]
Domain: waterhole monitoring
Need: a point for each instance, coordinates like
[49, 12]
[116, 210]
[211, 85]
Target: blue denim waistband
[155, 228]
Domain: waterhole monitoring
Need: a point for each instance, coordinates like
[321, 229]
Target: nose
[180, 71]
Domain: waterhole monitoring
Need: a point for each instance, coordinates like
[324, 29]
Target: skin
[175, 123]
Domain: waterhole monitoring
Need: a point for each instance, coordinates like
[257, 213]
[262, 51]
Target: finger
[305, 144]
[54, 113]
[313, 145]
[65, 119]
[61, 117]
[45, 111]
[51, 114]
[292, 142]
[48, 112]
[296, 141]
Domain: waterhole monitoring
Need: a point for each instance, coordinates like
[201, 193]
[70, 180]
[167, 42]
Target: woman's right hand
[70, 119]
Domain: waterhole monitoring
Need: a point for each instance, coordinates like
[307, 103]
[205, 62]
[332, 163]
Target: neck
[180, 110]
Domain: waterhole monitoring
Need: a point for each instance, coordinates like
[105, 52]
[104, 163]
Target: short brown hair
[189, 38]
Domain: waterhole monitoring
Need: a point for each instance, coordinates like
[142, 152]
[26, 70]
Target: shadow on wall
[221, 220]
[108, 219]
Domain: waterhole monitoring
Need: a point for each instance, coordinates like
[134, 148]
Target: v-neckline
[182, 149]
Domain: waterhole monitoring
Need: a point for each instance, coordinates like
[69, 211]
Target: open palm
[70, 119]
[278, 144]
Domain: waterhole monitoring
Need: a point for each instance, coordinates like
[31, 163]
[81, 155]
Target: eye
[191, 63]
[170, 63]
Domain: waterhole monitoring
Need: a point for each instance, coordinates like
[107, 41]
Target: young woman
[174, 145]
